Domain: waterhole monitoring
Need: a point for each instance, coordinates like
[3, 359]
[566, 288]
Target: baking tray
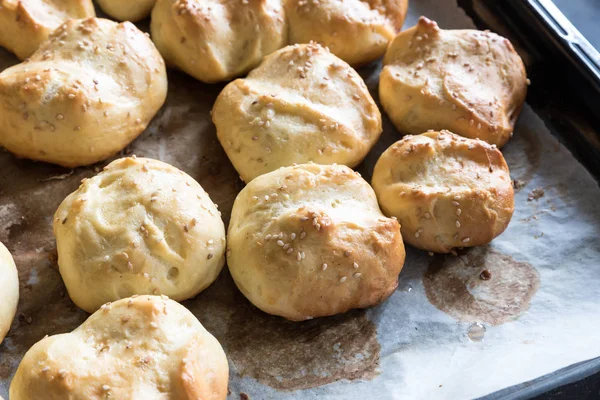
[556, 49]
[212, 169]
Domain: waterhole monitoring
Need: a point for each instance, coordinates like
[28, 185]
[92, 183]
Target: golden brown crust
[446, 191]
[25, 24]
[139, 227]
[301, 104]
[310, 241]
[357, 31]
[85, 94]
[146, 347]
[470, 82]
[217, 40]
[9, 288]
[127, 10]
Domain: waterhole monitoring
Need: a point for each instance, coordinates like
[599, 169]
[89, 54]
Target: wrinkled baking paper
[404, 348]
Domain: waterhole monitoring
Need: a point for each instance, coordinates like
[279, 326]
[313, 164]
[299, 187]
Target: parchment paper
[404, 348]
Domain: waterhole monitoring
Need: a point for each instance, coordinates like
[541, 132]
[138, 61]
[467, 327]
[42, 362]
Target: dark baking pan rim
[564, 376]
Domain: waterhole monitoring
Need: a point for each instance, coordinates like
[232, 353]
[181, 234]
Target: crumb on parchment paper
[536, 194]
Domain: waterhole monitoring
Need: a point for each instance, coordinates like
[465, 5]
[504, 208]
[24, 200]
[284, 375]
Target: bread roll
[145, 347]
[357, 31]
[310, 241]
[470, 82]
[301, 104]
[217, 40]
[139, 227]
[9, 287]
[446, 191]
[128, 10]
[85, 94]
[25, 24]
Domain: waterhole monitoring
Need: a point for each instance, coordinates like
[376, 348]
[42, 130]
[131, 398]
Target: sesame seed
[106, 388]
[293, 236]
[417, 234]
[60, 117]
[290, 250]
[280, 243]
[458, 211]
[355, 265]
[427, 215]
[46, 369]
[343, 279]
[302, 235]
[299, 256]
[466, 240]
[324, 266]
[357, 275]
[457, 223]
[208, 257]
[346, 253]
[455, 203]
[62, 372]
[268, 237]
[286, 246]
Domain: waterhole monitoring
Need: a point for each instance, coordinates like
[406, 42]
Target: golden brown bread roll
[127, 10]
[217, 40]
[139, 227]
[357, 31]
[84, 95]
[145, 347]
[9, 289]
[446, 191]
[25, 24]
[470, 82]
[310, 241]
[301, 104]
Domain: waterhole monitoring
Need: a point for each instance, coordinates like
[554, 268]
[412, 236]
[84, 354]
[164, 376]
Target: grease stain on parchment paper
[481, 285]
[283, 354]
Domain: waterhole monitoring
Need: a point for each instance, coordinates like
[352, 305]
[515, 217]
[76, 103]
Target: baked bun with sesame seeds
[217, 40]
[470, 82]
[301, 104]
[310, 241]
[84, 95]
[145, 347]
[25, 24]
[357, 31]
[446, 191]
[139, 227]
[9, 287]
[127, 10]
